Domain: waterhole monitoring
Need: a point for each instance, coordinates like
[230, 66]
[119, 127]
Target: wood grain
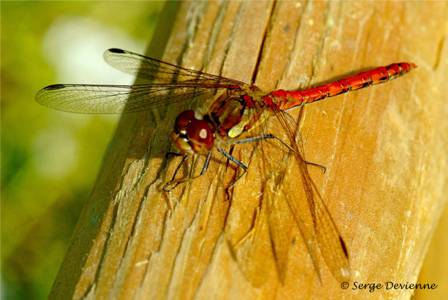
[384, 149]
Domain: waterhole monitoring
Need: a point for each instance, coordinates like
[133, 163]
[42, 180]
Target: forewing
[109, 99]
[281, 233]
[331, 244]
[156, 70]
[252, 252]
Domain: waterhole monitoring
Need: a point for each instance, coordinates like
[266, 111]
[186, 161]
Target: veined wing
[170, 84]
[109, 99]
[329, 240]
[156, 70]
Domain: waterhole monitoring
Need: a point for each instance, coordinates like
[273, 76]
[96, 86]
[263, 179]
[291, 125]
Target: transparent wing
[108, 99]
[170, 84]
[329, 240]
[156, 70]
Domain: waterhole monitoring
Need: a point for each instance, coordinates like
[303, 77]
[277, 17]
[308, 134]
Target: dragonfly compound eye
[183, 120]
[192, 135]
[201, 136]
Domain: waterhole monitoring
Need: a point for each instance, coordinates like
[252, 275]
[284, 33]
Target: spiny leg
[267, 136]
[235, 161]
[170, 154]
[174, 182]
[205, 165]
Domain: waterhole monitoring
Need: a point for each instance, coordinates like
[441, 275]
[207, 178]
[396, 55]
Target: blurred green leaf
[49, 159]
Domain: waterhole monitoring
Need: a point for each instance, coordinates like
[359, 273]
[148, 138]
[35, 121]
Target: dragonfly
[237, 108]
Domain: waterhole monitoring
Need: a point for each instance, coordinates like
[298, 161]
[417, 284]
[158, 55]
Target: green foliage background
[39, 209]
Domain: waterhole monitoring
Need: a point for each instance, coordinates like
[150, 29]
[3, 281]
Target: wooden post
[384, 149]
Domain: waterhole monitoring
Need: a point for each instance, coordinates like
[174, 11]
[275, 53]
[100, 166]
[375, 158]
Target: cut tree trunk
[384, 149]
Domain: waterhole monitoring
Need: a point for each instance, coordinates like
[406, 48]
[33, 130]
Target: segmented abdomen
[290, 99]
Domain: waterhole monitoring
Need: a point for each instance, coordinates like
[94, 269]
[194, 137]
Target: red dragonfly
[236, 109]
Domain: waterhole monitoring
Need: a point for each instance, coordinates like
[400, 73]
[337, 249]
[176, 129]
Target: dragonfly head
[192, 134]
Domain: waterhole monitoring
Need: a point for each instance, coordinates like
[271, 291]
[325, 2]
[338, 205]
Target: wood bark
[384, 149]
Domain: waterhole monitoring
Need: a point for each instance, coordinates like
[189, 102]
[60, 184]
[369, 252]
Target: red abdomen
[290, 99]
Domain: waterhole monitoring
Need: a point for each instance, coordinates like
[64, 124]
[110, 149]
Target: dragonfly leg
[205, 165]
[253, 139]
[239, 163]
[233, 159]
[175, 182]
[271, 136]
[170, 154]
[203, 169]
[323, 168]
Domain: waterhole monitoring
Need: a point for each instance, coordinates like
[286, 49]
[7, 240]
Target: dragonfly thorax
[192, 134]
[233, 115]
